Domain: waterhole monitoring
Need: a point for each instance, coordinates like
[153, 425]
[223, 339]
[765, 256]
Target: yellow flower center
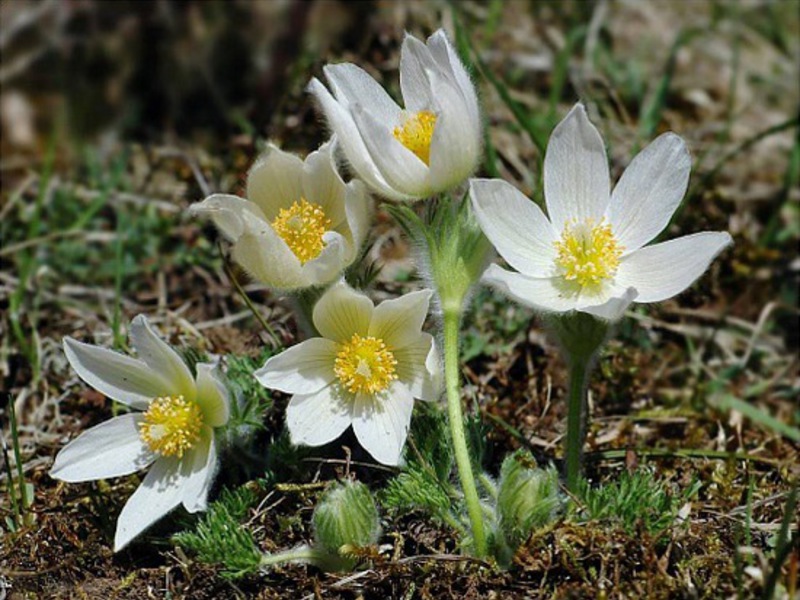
[171, 425]
[365, 365]
[588, 253]
[302, 226]
[416, 134]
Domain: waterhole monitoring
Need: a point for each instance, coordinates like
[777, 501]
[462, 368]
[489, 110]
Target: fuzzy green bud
[346, 519]
[580, 334]
[528, 497]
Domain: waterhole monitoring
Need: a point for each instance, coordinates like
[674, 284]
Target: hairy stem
[576, 417]
[302, 553]
[456, 418]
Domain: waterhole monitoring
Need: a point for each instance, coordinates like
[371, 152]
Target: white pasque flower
[431, 146]
[301, 224]
[590, 255]
[365, 371]
[171, 428]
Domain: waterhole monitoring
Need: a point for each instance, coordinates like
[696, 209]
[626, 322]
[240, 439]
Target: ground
[117, 116]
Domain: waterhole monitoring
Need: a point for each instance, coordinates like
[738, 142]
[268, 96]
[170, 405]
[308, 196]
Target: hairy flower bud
[346, 519]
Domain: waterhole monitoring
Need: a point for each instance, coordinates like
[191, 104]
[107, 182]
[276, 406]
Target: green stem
[578, 375]
[301, 553]
[456, 418]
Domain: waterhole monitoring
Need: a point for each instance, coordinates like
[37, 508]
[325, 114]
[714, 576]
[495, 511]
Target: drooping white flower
[171, 428]
[366, 370]
[301, 224]
[430, 146]
[590, 255]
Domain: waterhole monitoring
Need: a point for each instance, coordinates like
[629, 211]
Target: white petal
[456, 142]
[419, 368]
[319, 418]
[159, 493]
[267, 258]
[415, 61]
[111, 449]
[199, 467]
[322, 184]
[445, 55]
[576, 180]
[302, 369]
[540, 294]
[649, 191]
[663, 270]
[353, 85]
[275, 181]
[212, 395]
[349, 138]
[614, 308]
[119, 377]
[337, 253]
[381, 423]
[398, 322]
[229, 213]
[401, 168]
[358, 207]
[515, 225]
[161, 358]
[341, 312]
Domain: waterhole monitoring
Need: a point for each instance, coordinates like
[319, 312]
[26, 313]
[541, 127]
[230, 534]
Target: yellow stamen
[302, 226]
[588, 253]
[365, 364]
[171, 425]
[416, 134]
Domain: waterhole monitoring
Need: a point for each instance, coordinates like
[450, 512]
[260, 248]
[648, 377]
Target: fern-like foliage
[220, 539]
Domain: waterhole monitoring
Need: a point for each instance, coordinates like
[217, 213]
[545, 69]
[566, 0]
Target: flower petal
[199, 469]
[322, 184]
[162, 359]
[318, 418]
[110, 449]
[649, 191]
[398, 322]
[302, 369]
[576, 180]
[359, 212]
[663, 270]
[401, 168]
[341, 312]
[267, 258]
[353, 85]
[419, 368]
[212, 395]
[337, 253]
[349, 138]
[538, 293]
[115, 375]
[444, 54]
[614, 308]
[415, 62]
[159, 493]
[515, 225]
[381, 423]
[275, 181]
[229, 213]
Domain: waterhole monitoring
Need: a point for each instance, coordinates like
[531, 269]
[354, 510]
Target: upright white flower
[590, 255]
[171, 428]
[301, 225]
[365, 371]
[430, 146]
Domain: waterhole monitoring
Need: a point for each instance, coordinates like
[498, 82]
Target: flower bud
[346, 519]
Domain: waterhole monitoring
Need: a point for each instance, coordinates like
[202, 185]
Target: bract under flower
[174, 435]
[404, 154]
[366, 370]
[301, 224]
[590, 255]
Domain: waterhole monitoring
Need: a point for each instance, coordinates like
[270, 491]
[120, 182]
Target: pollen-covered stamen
[416, 133]
[302, 226]
[365, 365]
[171, 425]
[588, 252]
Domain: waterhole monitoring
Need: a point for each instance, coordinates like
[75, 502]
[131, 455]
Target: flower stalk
[452, 320]
[576, 420]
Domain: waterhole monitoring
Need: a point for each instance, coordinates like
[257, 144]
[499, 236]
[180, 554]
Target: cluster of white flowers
[301, 226]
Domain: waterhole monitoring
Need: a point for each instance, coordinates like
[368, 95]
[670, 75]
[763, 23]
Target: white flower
[301, 225]
[590, 255]
[365, 371]
[431, 146]
[171, 428]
